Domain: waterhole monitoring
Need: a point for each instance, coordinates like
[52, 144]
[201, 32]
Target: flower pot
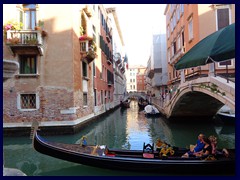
[44, 33]
[37, 28]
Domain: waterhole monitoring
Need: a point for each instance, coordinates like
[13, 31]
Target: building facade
[119, 54]
[157, 65]
[133, 74]
[65, 62]
[186, 25]
[140, 78]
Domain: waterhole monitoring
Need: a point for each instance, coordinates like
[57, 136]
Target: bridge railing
[226, 88]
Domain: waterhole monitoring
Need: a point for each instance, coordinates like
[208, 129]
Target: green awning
[218, 46]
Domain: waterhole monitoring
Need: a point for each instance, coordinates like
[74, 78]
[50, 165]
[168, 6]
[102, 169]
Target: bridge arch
[194, 103]
[135, 94]
[197, 100]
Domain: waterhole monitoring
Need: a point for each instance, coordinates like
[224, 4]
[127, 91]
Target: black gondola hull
[134, 161]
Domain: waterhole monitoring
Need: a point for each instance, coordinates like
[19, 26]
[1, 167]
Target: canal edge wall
[53, 127]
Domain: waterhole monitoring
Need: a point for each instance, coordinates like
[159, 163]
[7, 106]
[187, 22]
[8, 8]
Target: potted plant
[13, 40]
[44, 33]
[32, 41]
[39, 25]
[12, 25]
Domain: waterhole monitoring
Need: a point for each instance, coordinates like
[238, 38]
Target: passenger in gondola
[195, 148]
[159, 144]
[213, 141]
[84, 141]
[207, 149]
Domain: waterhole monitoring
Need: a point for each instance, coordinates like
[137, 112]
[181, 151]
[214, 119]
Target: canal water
[126, 129]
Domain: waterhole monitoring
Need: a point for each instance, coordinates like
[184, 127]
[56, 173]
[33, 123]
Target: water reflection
[126, 128]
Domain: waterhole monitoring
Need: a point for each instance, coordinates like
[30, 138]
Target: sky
[138, 22]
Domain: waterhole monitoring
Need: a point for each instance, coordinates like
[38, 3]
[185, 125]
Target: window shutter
[223, 18]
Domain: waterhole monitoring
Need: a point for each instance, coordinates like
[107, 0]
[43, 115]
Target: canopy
[218, 46]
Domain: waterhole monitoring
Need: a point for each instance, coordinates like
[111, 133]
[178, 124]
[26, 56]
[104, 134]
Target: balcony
[122, 69]
[118, 58]
[25, 42]
[87, 49]
[110, 83]
[109, 78]
[150, 73]
[177, 55]
[108, 37]
[90, 55]
[109, 60]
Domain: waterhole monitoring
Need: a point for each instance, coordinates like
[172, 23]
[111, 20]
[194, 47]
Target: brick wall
[52, 100]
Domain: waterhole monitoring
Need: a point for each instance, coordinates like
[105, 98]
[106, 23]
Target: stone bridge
[199, 97]
[135, 94]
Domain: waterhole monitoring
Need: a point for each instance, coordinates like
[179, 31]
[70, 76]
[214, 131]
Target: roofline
[113, 11]
[165, 11]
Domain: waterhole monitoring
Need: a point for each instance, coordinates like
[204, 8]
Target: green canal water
[127, 129]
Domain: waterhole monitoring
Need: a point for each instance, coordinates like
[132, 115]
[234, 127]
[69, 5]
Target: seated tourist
[197, 147]
[207, 149]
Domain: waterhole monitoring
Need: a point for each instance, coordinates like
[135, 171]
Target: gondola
[142, 104]
[151, 111]
[226, 118]
[153, 115]
[147, 159]
[125, 104]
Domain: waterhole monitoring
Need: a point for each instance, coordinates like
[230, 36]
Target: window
[224, 63]
[178, 13]
[133, 80]
[174, 20]
[109, 95]
[178, 42]
[110, 79]
[85, 99]
[174, 47]
[28, 101]
[183, 39]
[84, 69]
[222, 18]
[28, 64]
[182, 8]
[95, 97]
[29, 16]
[190, 29]
[83, 46]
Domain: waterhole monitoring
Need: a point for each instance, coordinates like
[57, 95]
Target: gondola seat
[148, 151]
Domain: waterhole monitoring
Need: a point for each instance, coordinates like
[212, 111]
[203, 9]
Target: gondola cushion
[148, 155]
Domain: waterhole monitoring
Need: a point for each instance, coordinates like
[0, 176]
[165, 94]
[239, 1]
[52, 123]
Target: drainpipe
[182, 76]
